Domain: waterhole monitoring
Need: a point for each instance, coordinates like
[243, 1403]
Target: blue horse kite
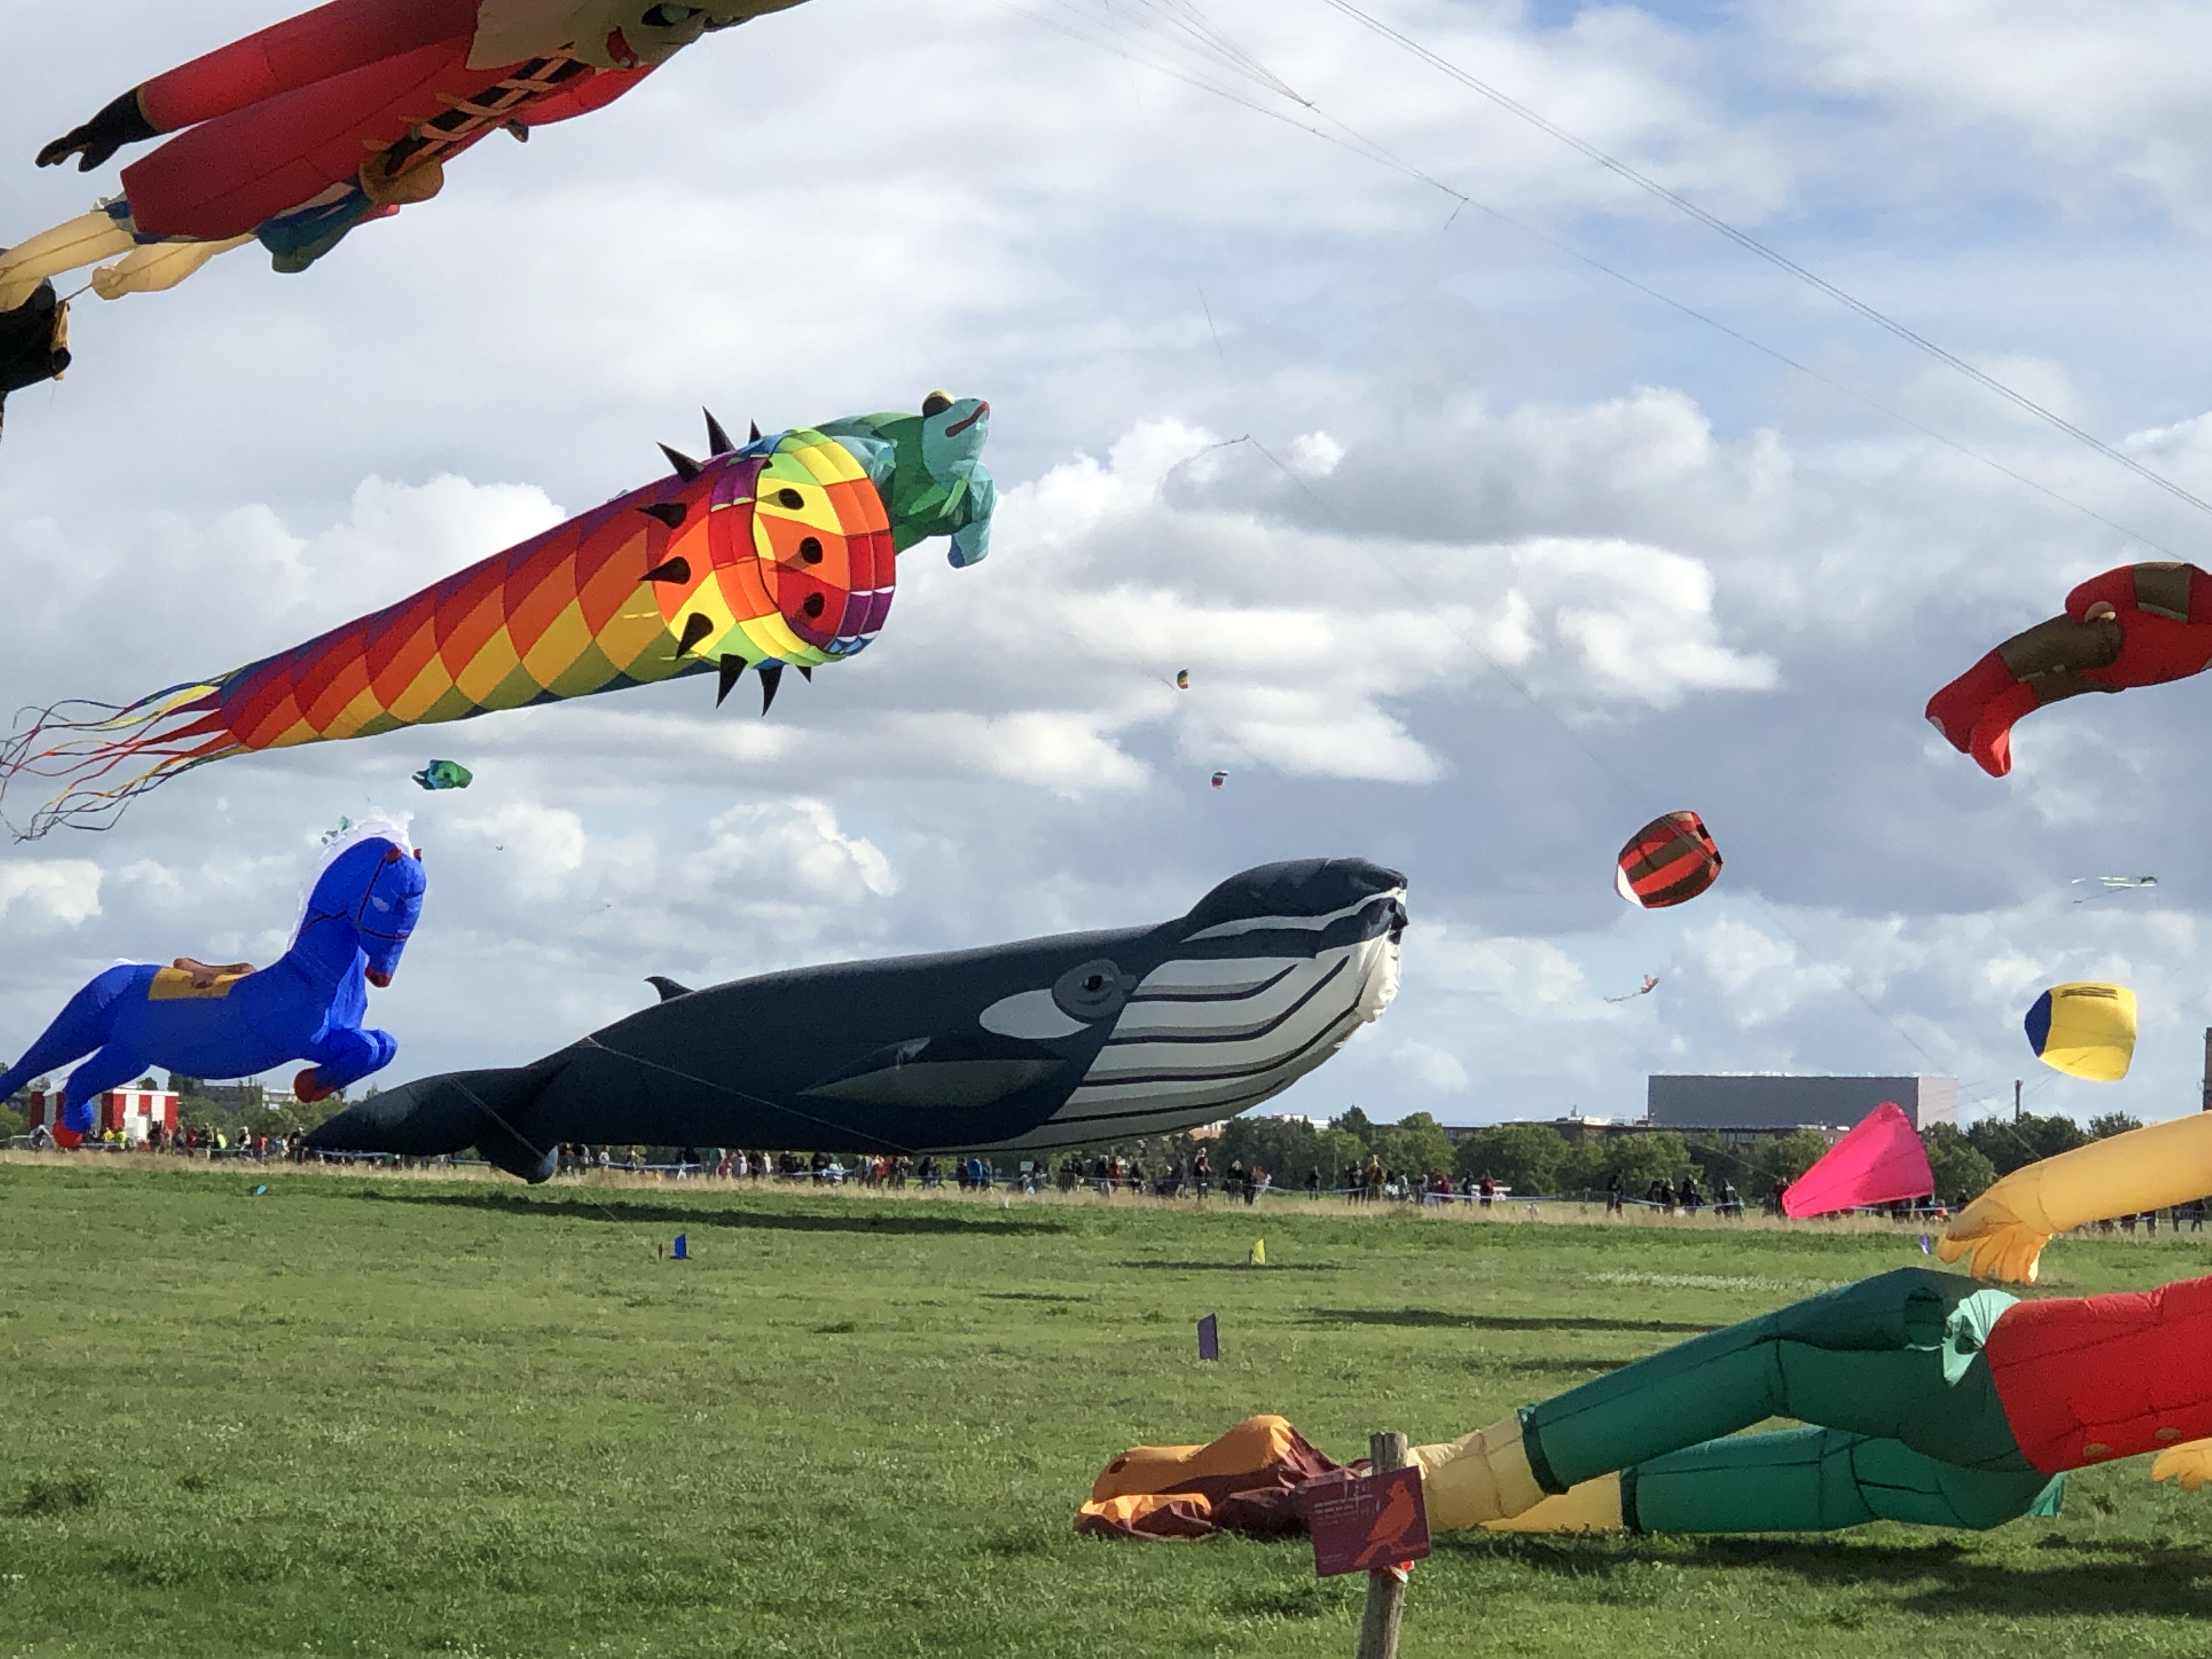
[233, 1021]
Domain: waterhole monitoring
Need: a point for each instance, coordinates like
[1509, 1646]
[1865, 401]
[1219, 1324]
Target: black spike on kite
[686, 468]
[718, 441]
[756, 437]
[733, 670]
[677, 570]
[671, 513]
[696, 628]
[805, 673]
[771, 676]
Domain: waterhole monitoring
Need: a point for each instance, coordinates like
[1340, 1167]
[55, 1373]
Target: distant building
[1769, 1103]
[134, 1111]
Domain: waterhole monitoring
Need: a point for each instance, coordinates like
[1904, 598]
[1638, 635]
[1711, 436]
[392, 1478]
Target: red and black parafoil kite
[1670, 860]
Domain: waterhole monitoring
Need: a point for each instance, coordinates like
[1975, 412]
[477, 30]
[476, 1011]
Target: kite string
[1359, 143]
[1351, 139]
[1627, 788]
[756, 1099]
[1781, 261]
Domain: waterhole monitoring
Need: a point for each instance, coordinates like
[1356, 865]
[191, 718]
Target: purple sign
[1369, 1523]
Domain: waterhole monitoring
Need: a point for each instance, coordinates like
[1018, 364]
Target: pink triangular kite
[1879, 1162]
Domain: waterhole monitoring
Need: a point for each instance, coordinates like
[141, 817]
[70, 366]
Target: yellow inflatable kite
[2084, 1030]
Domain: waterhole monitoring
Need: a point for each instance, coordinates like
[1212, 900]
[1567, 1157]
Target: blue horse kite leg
[81, 1027]
[342, 1057]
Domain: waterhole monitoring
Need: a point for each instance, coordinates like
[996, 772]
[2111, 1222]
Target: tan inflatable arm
[2002, 1233]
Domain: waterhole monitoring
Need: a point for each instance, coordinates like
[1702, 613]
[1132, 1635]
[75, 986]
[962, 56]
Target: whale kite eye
[814, 605]
[1093, 990]
[790, 498]
[811, 549]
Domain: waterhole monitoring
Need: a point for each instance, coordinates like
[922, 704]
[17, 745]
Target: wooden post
[1386, 1589]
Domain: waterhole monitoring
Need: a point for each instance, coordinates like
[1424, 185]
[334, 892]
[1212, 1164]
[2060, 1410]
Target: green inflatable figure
[938, 485]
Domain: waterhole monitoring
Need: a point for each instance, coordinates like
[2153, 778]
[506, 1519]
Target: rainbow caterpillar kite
[780, 553]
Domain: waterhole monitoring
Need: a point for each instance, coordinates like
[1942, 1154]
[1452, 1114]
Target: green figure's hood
[930, 468]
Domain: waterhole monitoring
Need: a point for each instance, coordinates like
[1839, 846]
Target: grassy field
[382, 1415]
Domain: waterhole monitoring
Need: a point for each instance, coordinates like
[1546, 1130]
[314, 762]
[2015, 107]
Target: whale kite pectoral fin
[668, 989]
[979, 1069]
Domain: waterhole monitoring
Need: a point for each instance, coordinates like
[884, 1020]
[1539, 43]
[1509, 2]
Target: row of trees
[1530, 1158]
[1536, 1159]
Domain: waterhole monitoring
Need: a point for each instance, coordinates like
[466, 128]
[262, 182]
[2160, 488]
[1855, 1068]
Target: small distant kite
[1220, 778]
[1182, 679]
[2112, 884]
[2084, 1030]
[2143, 624]
[1650, 984]
[445, 775]
[1669, 862]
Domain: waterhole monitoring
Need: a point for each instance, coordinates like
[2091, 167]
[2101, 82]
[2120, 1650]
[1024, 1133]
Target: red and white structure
[134, 1111]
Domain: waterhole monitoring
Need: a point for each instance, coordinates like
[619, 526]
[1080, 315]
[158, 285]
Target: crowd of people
[1192, 1174]
[1667, 1198]
[190, 1142]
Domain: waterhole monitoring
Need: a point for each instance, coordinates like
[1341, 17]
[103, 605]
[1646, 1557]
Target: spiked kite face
[777, 553]
[791, 562]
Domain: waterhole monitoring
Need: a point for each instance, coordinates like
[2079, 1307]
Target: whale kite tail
[104, 757]
[435, 1116]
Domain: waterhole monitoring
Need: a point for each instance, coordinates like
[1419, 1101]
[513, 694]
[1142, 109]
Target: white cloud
[36, 893]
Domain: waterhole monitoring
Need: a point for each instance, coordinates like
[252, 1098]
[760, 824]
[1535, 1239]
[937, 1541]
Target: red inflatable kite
[2143, 624]
[1881, 1161]
[293, 135]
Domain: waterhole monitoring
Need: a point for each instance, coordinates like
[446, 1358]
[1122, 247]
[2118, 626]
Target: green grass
[383, 1415]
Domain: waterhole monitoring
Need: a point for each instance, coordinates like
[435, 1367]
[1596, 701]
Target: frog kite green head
[932, 473]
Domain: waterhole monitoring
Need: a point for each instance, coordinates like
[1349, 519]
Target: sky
[1468, 482]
